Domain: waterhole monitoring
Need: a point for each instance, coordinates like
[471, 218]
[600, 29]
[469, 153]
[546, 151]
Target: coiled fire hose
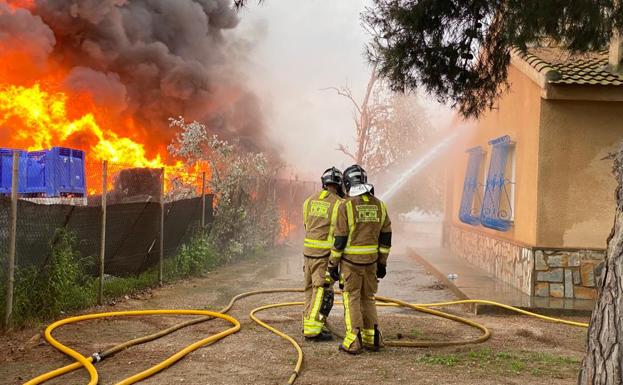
[137, 341]
[88, 363]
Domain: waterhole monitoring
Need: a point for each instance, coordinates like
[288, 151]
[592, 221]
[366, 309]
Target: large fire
[105, 76]
[39, 119]
[38, 111]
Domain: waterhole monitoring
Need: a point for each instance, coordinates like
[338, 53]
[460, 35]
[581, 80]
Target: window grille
[496, 210]
[470, 201]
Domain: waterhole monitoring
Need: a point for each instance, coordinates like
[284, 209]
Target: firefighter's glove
[328, 281]
[381, 270]
[334, 272]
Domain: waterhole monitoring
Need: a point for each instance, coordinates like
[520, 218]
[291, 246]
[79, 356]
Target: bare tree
[400, 126]
[364, 115]
[389, 129]
[388, 126]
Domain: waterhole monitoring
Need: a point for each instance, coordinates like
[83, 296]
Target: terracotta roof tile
[563, 67]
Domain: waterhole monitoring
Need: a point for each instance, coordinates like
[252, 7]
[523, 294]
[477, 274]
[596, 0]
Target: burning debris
[286, 226]
[104, 76]
[137, 184]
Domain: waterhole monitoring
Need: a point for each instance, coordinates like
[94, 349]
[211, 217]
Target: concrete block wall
[556, 273]
[567, 273]
[507, 261]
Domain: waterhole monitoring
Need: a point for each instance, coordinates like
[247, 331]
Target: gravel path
[521, 351]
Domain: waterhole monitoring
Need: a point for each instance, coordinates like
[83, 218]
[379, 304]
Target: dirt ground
[521, 350]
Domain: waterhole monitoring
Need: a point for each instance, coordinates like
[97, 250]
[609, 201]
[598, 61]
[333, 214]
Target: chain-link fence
[129, 219]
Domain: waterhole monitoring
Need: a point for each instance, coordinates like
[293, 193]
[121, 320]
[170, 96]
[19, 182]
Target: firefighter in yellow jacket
[359, 258]
[320, 213]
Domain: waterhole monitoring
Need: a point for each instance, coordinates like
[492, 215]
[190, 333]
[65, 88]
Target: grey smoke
[20, 30]
[155, 59]
[105, 88]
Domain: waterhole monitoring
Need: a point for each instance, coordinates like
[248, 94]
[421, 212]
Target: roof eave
[536, 69]
[541, 73]
[586, 92]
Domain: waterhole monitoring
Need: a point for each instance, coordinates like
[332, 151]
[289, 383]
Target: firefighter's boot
[352, 343]
[372, 339]
[324, 335]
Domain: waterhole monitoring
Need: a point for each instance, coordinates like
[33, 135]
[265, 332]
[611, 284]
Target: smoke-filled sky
[303, 46]
[256, 75]
[144, 60]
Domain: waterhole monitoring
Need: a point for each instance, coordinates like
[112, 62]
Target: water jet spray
[419, 164]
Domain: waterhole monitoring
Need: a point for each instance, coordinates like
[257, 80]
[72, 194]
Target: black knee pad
[327, 303]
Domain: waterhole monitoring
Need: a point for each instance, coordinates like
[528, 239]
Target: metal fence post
[100, 291]
[289, 208]
[161, 232]
[12, 241]
[203, 200]
[274, 186]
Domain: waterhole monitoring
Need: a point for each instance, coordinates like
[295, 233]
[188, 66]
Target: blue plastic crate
[56, 172]
[6, 170]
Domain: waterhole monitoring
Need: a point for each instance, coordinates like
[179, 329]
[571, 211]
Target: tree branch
[365, 117]
[243, 3]
[345, 92]
[344, 150]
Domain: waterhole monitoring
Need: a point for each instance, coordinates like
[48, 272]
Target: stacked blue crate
[6, 170]
[56, 172]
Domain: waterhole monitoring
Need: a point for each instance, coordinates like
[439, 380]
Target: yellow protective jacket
[319, 215]
[364, 224]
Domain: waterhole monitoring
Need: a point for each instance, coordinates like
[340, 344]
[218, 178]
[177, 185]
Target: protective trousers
[360, 285]
[314, 269]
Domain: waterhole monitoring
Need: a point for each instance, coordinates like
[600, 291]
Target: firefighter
[359, 258]
[320, 213]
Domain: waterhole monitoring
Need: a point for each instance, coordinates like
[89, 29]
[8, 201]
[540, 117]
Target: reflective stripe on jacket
[366, 218]
[320, 213]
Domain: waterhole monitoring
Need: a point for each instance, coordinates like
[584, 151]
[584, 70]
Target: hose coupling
[96, 358]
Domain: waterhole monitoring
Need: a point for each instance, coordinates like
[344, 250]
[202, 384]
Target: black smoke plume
[153, 59]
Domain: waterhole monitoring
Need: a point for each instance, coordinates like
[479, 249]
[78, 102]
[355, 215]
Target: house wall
[567, 273]
[564, 199]
[506, 255]
[517, 114]
[575, 185]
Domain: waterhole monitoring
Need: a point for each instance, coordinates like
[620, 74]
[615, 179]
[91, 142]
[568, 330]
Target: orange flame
[28, 4]
[38, 111]
[40, 120]
[286, 228]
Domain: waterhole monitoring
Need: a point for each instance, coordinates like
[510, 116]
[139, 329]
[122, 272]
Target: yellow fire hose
[87, 363]
[507, 307]
[385, 301]
[299, 351]
[151, 337]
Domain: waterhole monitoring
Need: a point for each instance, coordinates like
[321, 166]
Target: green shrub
[115, 287]
[242, 221]
[62, 284]
[194, 258]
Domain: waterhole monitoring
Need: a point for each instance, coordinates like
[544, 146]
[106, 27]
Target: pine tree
[459, 50]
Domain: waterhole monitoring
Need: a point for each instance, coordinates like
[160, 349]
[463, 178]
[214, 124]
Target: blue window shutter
[470, 187]
[495, 189]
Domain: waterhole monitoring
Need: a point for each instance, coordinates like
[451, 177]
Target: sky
[298, 48]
